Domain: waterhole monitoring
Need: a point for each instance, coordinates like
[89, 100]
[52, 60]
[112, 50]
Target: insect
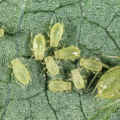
[67, 53]
[59, 86]
[1, 32]
[77, 79]
[39, 47]
[109, 84]
[93, 65]
[20, 71]
[56, 34]
[51, 65]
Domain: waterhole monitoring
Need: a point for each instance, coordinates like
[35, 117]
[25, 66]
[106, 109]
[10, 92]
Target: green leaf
[91, 25]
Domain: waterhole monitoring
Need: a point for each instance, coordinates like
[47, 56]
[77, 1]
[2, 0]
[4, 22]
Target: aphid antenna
[109, 105]
[94, 89]
[93, 78]
[111, 56]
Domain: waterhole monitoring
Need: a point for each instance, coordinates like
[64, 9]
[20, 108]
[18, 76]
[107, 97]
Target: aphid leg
[106, 66]
[75, 58]
[8, 65]
[63, 38]
[109, 105]
[26, 65]
[94, 58]
[31, 35]
[94, 78]
[47, 48]
[51, 76]
[30, 46]
[94, 89]
[48, 33]
[12, 73]
[77, 90]
[23, 87]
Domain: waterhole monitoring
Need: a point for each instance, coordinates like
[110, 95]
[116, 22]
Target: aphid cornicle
[56, 34]
[109, 84]
[67, 53]
[59, 86]
[21, 73]
[77, 79]
[51, 65]
[39, 47]
[1, 32]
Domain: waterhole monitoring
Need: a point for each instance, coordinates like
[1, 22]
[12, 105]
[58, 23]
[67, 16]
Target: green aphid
[56, 34]
[77, 79]
[39, 47]
[21, 73]
[1, 32]
[59, 86]
[93, 65]
[67, 53]
[51, 65]
[109, 84]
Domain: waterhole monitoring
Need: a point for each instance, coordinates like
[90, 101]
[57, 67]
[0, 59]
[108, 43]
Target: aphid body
[59, 86]
[92, 65]
[20, 71]
[51, 65]
[109, 84]
[56, 34]
[39, 47]
[67, 53]
[1, 32]
[77, 79]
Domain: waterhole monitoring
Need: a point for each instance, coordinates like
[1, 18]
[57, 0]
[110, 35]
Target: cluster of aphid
[108, 85]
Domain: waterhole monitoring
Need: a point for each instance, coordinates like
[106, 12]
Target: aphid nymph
[56, 34]
[77, 79]
[21, 73]
[39, 47]
[93, 65]
[59, 86]
[51, 65]
[67, 53]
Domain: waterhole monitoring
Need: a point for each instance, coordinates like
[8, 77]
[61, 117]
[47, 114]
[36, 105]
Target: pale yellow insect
[21, 73]
[93, 65]
[51, 65]
[59, 86]
[1, 32]
[39, 47]
[77, 79]
[67, 53]
[56, 34]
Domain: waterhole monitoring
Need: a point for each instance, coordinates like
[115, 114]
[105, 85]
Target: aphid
[93, 65]
[20, 71]
[59, 86]
[56, 34]
[1, 32]
[67, 53]
[51, 65]
[77, 79]
[39, 47]
[109, 84]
